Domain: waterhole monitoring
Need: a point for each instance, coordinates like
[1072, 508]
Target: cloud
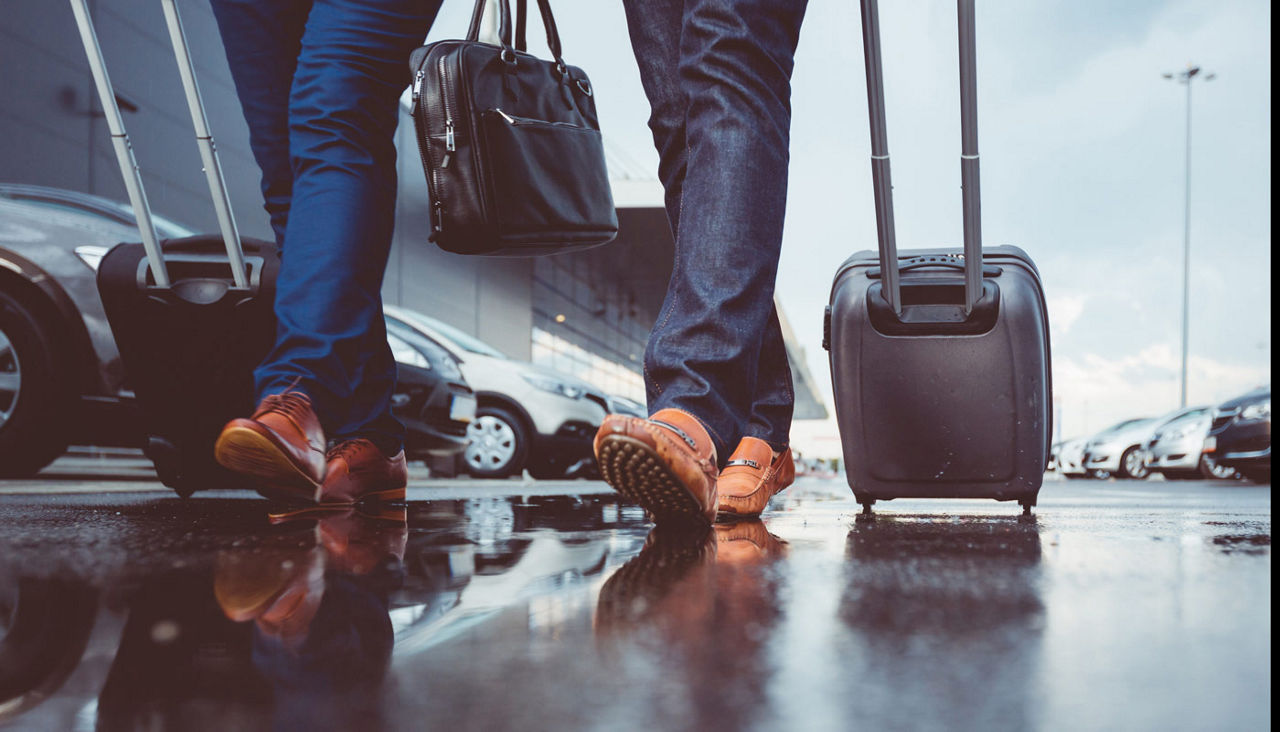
[1064, 311]
[1094, 390]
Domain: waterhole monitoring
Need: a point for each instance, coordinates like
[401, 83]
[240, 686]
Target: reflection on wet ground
[1144, 606]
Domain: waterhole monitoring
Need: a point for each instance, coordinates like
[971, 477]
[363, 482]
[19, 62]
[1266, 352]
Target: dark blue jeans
[718, 77]
[319, 81]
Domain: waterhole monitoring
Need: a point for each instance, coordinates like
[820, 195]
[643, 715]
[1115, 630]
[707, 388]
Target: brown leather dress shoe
[358, 470]
[281, 445]
[666, 463]
[753, 476]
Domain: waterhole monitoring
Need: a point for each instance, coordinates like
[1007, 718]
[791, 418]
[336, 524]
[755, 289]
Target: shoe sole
[636, 471]
[387, 496]
[245, 451]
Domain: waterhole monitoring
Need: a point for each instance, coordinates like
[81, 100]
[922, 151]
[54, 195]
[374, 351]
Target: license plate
[463, 409]
[1210, 444]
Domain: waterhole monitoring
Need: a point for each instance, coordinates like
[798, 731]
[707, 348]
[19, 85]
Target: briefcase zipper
[529, 121]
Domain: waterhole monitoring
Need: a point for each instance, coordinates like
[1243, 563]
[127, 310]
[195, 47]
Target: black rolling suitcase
[939, 357]
[192, 317]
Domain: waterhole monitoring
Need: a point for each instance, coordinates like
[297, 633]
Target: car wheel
[1257, 475]
[32, 402]
[497, 444]
[1211, 470]
[1132, 466]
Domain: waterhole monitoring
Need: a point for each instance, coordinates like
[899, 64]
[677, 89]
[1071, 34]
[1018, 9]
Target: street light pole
[1185, 77]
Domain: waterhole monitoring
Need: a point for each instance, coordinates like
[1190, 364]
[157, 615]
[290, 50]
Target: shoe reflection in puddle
[322, 632]
[700, 606]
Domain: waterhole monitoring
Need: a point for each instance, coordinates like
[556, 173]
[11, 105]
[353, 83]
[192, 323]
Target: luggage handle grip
[988, 270]
[880, 175]
[128, 163]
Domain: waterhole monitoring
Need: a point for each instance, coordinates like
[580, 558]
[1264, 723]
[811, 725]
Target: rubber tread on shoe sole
[637, 472]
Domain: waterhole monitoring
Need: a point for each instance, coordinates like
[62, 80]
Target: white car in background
[1068, 458]
[529, 417]
[1117, 450]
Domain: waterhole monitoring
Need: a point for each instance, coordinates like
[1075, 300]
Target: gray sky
[1082, 166]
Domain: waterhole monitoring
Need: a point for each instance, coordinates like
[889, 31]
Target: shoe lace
[293, 404]
[344, 448]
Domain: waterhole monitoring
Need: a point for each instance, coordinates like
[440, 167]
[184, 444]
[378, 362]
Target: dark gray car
[61, 381]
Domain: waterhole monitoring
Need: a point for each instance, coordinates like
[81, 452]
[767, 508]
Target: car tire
[1257, 475]
[499, 444]
[1131, 465]
[33, 403]
[1210, 470]
[1075, 476]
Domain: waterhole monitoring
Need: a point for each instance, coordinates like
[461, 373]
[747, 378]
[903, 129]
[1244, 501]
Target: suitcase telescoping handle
[880, 178]
[129, 164]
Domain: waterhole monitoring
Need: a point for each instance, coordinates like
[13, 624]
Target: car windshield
[463, 340]
[1126, 424]
[1190, 416]
[109, 210]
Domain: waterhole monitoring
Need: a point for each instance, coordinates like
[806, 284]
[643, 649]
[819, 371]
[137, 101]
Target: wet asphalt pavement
[551, 606]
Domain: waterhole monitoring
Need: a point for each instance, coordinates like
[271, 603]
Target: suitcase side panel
[944, 416]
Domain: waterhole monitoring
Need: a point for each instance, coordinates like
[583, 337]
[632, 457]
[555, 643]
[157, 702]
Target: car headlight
[92, 255]
[555, 386]
[406, 354]
[1256, 411]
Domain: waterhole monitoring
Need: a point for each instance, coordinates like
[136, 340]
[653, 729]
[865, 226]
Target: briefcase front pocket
[548, 183]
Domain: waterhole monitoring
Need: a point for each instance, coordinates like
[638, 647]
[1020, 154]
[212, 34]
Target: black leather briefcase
[510, 144]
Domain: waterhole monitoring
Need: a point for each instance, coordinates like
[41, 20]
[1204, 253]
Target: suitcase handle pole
[120, 142]
[880, 179]
[969, 155]
[208, 149]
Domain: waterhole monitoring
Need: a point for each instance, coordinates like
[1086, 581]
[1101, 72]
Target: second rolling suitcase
[939, 357]
[191, 317]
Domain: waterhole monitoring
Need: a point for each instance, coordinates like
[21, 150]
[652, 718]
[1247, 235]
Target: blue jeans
[718, 77]
[319, 81]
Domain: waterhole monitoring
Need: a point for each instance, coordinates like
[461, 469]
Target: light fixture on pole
[1186, 77]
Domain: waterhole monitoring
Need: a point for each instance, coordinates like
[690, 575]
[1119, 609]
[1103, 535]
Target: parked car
[1117, 450]
[1175, 448]
[1240, 435]
[1068, 458]
[61, 379]
[432, 399]
[530, 417]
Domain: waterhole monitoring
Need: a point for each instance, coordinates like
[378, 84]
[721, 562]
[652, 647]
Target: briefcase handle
[129, 164]
[880, 177]
[510, 45]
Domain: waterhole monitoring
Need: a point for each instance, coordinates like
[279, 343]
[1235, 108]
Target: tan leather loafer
[666, 463]
[753, 476]
[281, 446]
[358, 470]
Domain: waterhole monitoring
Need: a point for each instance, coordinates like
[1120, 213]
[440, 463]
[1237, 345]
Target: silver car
[530, 417]
[1117, 450]
[1068, 458]
[1175, 449]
